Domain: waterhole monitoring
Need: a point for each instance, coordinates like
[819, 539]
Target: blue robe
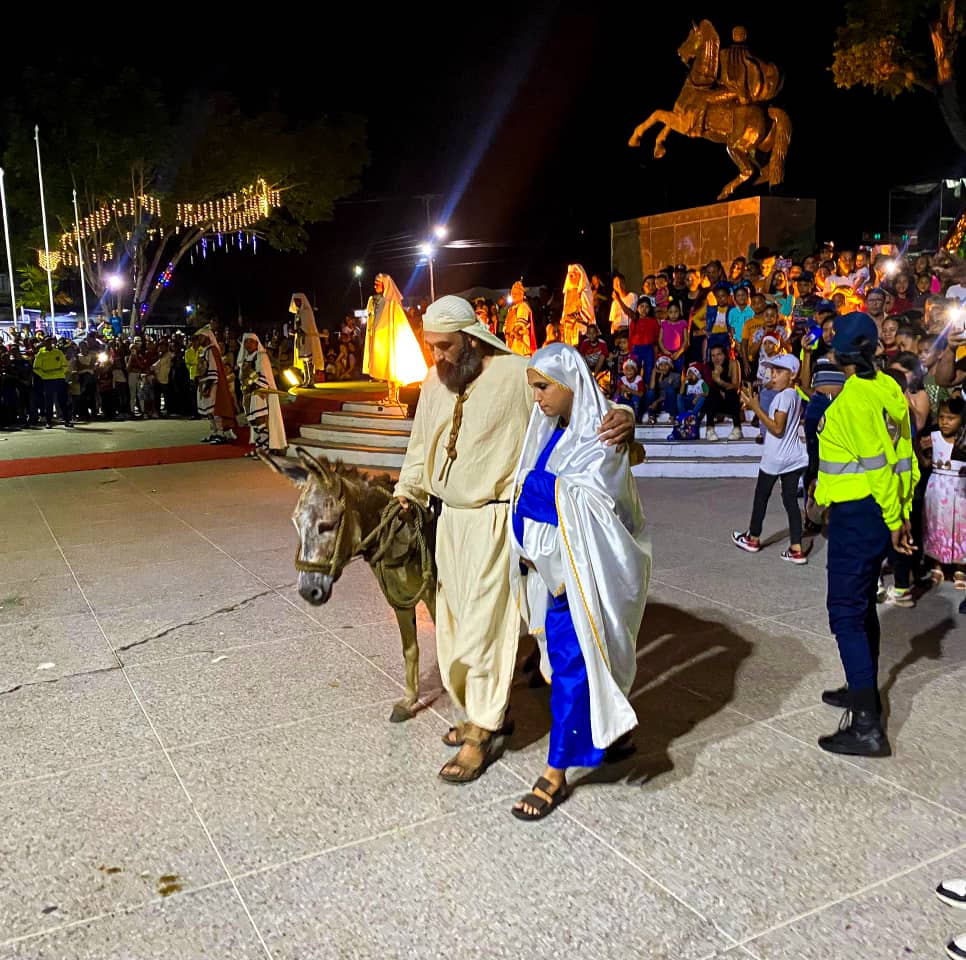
[571, 744]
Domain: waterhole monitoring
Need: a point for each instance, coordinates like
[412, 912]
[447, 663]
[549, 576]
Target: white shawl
[262, 363]
[580, 310]
[309, 329]
[600, 544]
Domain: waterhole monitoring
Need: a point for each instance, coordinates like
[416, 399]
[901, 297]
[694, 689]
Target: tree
[894, 46]
[153, 183]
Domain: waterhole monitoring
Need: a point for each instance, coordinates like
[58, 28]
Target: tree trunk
[944, 33]
[190, 238]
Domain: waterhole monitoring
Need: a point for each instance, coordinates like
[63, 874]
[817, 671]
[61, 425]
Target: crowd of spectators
[102, 376]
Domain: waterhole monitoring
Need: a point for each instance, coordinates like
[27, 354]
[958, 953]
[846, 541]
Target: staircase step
[339, 418]
[356, 436]
[659, 431]
[363, 456]
[694, 467]
[374, 408]
[701, 449]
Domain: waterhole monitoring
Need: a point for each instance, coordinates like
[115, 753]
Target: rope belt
[454, 433]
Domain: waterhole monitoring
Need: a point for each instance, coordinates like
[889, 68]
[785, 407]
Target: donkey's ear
[317, 465]
[291, 469]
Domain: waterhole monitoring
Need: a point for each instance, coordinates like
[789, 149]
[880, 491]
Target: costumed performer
[262, 406]
[308, 343]
[578, 308]
[392, 352]
[579, 569]
[216, 401]
[464, 448]
[518, 328]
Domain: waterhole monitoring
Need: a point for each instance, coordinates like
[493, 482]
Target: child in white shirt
[784, 457]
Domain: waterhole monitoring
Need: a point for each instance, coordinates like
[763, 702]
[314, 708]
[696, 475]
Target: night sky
[519, 122]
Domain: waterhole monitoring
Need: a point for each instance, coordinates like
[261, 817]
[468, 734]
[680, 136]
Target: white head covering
[389, 289]
[599, 548]
[455, 315]
[309, 329]
[262, 362]
[582, 283]
[205, 332]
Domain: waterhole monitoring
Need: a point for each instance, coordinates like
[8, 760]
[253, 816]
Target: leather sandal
[463, 772]
[544, 799]
[454, 736]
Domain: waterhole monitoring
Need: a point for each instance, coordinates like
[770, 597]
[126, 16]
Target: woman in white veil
[578, 308]
[580, 568]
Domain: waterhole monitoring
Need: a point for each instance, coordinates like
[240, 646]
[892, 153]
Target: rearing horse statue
[724, 99]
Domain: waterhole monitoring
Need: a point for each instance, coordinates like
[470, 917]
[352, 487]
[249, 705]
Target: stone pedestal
[719, 231]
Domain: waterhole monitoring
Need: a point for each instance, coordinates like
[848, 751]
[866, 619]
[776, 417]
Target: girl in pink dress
[944, 515]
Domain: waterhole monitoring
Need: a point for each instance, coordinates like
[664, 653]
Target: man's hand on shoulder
[617, 427]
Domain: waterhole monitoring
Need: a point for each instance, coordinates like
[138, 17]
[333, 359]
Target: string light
[49, 262]
[955, 242]
[232, 214]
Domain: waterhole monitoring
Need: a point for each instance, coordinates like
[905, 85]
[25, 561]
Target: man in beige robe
[466, 441]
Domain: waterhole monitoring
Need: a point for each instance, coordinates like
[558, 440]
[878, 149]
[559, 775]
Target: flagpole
[6, 237]
[80, 261]
[43, 216]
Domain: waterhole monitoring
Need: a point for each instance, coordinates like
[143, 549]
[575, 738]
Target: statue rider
[736, 81]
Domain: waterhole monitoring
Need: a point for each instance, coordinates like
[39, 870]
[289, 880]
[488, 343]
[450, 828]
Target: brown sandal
[473, 736]
[454, 737]
[544, 802]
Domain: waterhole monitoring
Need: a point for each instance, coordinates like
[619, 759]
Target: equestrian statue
[725, 99]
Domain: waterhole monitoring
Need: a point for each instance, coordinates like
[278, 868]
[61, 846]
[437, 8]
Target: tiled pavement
[195, 764]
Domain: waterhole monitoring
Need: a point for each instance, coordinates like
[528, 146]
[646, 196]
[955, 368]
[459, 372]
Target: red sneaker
[744, 542]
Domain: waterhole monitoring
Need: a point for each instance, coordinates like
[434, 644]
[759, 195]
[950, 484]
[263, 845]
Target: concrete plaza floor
[195, 764]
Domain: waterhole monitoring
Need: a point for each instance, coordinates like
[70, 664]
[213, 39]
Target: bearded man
[466, 441]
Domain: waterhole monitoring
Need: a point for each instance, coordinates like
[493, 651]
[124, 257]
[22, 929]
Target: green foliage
[886, 44]
[115, 138]
[32, 291]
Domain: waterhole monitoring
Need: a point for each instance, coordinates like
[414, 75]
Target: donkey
[343, 514]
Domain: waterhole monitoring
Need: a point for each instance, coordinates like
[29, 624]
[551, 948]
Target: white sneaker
[956, 948]
[898, 598]
[736, 434]
[953, 893]
[711, 435]
[664, 418]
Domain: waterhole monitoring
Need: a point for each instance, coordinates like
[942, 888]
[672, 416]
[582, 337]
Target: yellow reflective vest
[191, 361]
[865, 449]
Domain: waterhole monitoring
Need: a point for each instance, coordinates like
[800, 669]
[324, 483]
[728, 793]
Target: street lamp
[427, 250]
[357, 273]
[440, 231]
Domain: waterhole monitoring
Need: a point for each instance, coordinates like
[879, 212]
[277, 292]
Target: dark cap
[682, 268]
[825, 306]
[851, 328]
[807, 275]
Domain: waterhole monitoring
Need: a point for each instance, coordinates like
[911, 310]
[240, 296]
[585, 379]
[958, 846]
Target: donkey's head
[326, 521]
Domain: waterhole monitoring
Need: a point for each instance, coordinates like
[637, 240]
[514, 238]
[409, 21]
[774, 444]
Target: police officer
[867, 473]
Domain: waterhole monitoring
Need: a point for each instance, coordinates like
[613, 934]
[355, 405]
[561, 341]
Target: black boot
[860, 733]
[837, 698]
